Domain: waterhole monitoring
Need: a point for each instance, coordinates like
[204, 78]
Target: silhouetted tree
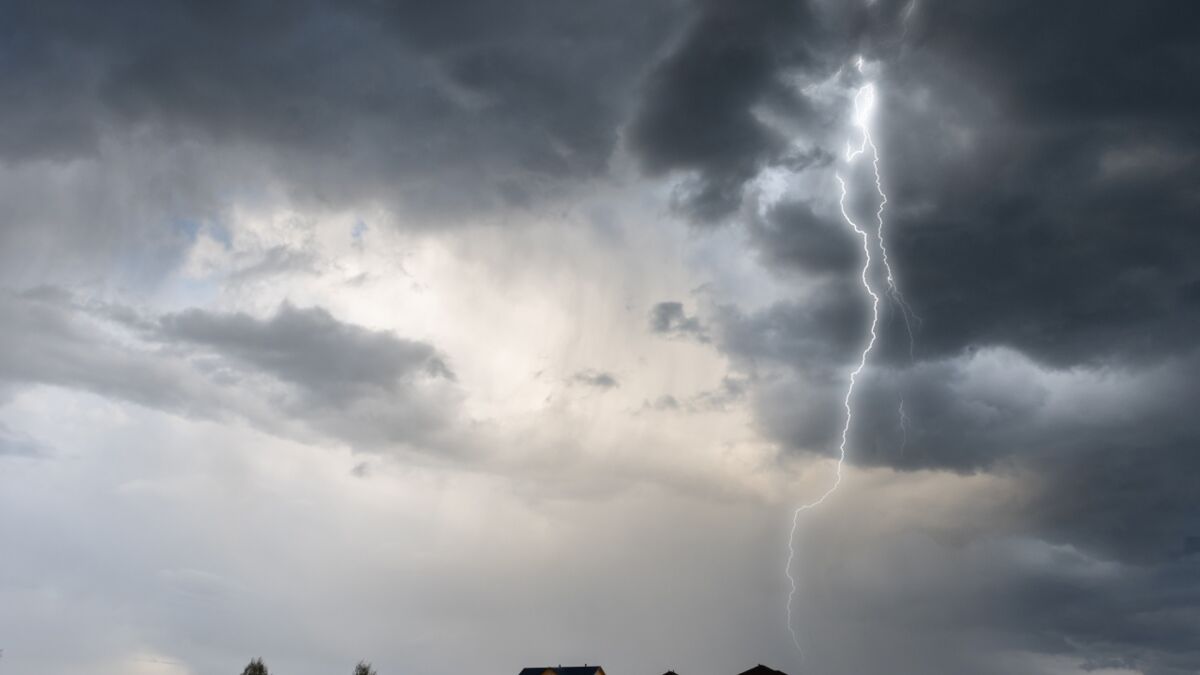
[364, 668]
[256, 667]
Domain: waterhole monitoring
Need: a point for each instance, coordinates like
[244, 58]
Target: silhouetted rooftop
[760, 669]
[564, 670]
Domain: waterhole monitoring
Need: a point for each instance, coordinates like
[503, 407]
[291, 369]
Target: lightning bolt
[861, 118]
[846, 403]
[868, 143]
[864, 102]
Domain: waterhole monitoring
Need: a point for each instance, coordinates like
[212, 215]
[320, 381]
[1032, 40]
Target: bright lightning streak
[864, 102]
[909, 317]
[846, 403]
[861, 118]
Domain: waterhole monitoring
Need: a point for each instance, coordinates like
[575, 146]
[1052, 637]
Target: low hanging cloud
[670, 319]
[296, 369]
[595, 378]
[331, 360]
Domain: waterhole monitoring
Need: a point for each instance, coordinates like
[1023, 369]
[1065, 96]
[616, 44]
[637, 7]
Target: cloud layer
[474, 336]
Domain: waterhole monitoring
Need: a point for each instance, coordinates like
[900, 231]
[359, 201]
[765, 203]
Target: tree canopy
[256, 667]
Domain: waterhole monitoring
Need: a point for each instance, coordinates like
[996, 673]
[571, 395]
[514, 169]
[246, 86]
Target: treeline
[257, 667]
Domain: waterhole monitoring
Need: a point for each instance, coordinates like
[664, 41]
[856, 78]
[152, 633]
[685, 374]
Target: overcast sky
[468, 336]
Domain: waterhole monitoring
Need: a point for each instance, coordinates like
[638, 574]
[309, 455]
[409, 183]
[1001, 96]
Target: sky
[469, 336]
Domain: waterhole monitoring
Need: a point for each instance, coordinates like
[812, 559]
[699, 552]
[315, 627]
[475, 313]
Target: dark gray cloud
[595, 378]
[698, 111]
[297, 369]
[1107, 458]
[731, 392]
[1041, 166]
[968, 596]
[1051, 212]
[49, 340]
[791, 236]
[335, 361]
[134, 125]
[670, 318]
[436, 109]
[1052, 207]
[816, 335]
[1055, 203]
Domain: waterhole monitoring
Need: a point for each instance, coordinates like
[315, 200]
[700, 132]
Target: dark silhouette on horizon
[255, 667]
[585, 669]
[563, 670]
[760, 669]
[258, 667]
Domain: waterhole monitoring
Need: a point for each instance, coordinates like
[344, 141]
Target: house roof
[760, 669]
[564, 670]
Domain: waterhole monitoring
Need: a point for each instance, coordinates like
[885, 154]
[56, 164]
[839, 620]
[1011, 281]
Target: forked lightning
[864, 103]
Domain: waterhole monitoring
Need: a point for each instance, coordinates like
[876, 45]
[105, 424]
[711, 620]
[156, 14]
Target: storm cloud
[522, 325]
[297, 368]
